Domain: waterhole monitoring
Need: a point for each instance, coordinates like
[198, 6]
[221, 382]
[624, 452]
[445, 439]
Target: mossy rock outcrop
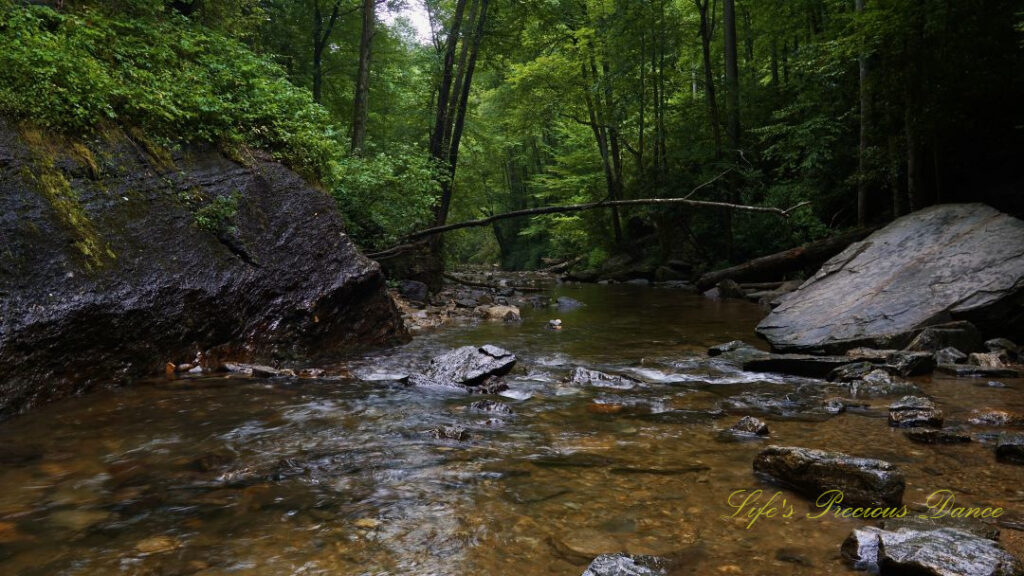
[114, 261]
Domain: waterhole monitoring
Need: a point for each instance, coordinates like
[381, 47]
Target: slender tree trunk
[596, 124]
[709, 78]
[865, 120]
[732, 78]
[362, 100]
[459, 78]
[321, 41]
[775, 64]
[444, 91]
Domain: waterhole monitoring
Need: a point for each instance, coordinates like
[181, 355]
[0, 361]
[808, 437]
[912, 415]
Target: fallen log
[774, 266]
[473, 284]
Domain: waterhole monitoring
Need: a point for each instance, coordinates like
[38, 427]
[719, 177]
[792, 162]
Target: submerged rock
[956, 261]
[937, 552]
[1010, 448]
[797, 364]
[730, 289]
[863, 481]
[130, 280]
[627, 565]
[937, 436]
[751, 426]
[914, 411]
[564, 304]
[491, 407]
[990, 417]
[586, 377]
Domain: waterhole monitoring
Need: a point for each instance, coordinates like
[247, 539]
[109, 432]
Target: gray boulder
[950, 355]
[586, 377]
[960, 335]
[470, 366]
[863, 481]
[937, 552]
[947, 262]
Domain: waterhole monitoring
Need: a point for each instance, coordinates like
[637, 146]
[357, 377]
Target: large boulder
[947, 262]
[117, 257]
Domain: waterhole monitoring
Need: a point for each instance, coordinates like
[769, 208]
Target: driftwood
[774, 266]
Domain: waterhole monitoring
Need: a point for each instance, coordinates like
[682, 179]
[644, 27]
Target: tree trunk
[362, 97]
[709, 79]
[774, 266]
[444, 91]
[865, 119]
[732, 84]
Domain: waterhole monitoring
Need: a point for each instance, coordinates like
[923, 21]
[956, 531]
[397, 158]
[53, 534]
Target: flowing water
[250, 476]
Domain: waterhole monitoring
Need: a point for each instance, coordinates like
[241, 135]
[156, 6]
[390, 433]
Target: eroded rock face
[937, 552]
[148, 261]
[947, 262]
[863, 481]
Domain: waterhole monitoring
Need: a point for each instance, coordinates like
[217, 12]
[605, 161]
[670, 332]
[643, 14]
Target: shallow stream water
[235, 475]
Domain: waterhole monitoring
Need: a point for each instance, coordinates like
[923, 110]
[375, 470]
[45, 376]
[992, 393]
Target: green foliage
[216, 216]
[173, 79]
[386, 195]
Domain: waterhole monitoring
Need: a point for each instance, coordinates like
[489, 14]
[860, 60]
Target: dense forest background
[865, 109]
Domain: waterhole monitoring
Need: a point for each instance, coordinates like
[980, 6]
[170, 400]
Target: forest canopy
[865, 109]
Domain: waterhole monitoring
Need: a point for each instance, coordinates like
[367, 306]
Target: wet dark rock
[1004, 345]
[711, 294]
[627, 565]
[414, 290]
[750, 425]
[796, 364]
[467, 302]
[912, 363]
[960, 335]
[870, 354]
[112, 298]
[938, 552]
[881, 383]
[950, 355]
[564, 303]
[638, 282]
[470, 365]
[491, 406]
[837, 405]
[863, 481]
[449, 432]
[996, 418]
[972, 371]
[914, 412]
[955, 261]
[851, 372]
[736, 353]
[791, 556]
[730, 289]
[1010, 448]
[937, 436]
[586, 377]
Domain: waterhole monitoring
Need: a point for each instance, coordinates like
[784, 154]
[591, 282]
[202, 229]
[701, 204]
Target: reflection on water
[248, 476]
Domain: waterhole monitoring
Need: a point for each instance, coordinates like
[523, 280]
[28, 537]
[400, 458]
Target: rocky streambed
[623, 443]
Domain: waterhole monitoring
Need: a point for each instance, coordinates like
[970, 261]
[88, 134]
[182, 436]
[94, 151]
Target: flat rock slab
[939, 552]
[951, 261]
[937, 436]
[863, 481]
[470, 365]
[972, 371]
[797, 364]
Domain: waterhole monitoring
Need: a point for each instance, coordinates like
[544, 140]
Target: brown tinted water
[249, 476]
